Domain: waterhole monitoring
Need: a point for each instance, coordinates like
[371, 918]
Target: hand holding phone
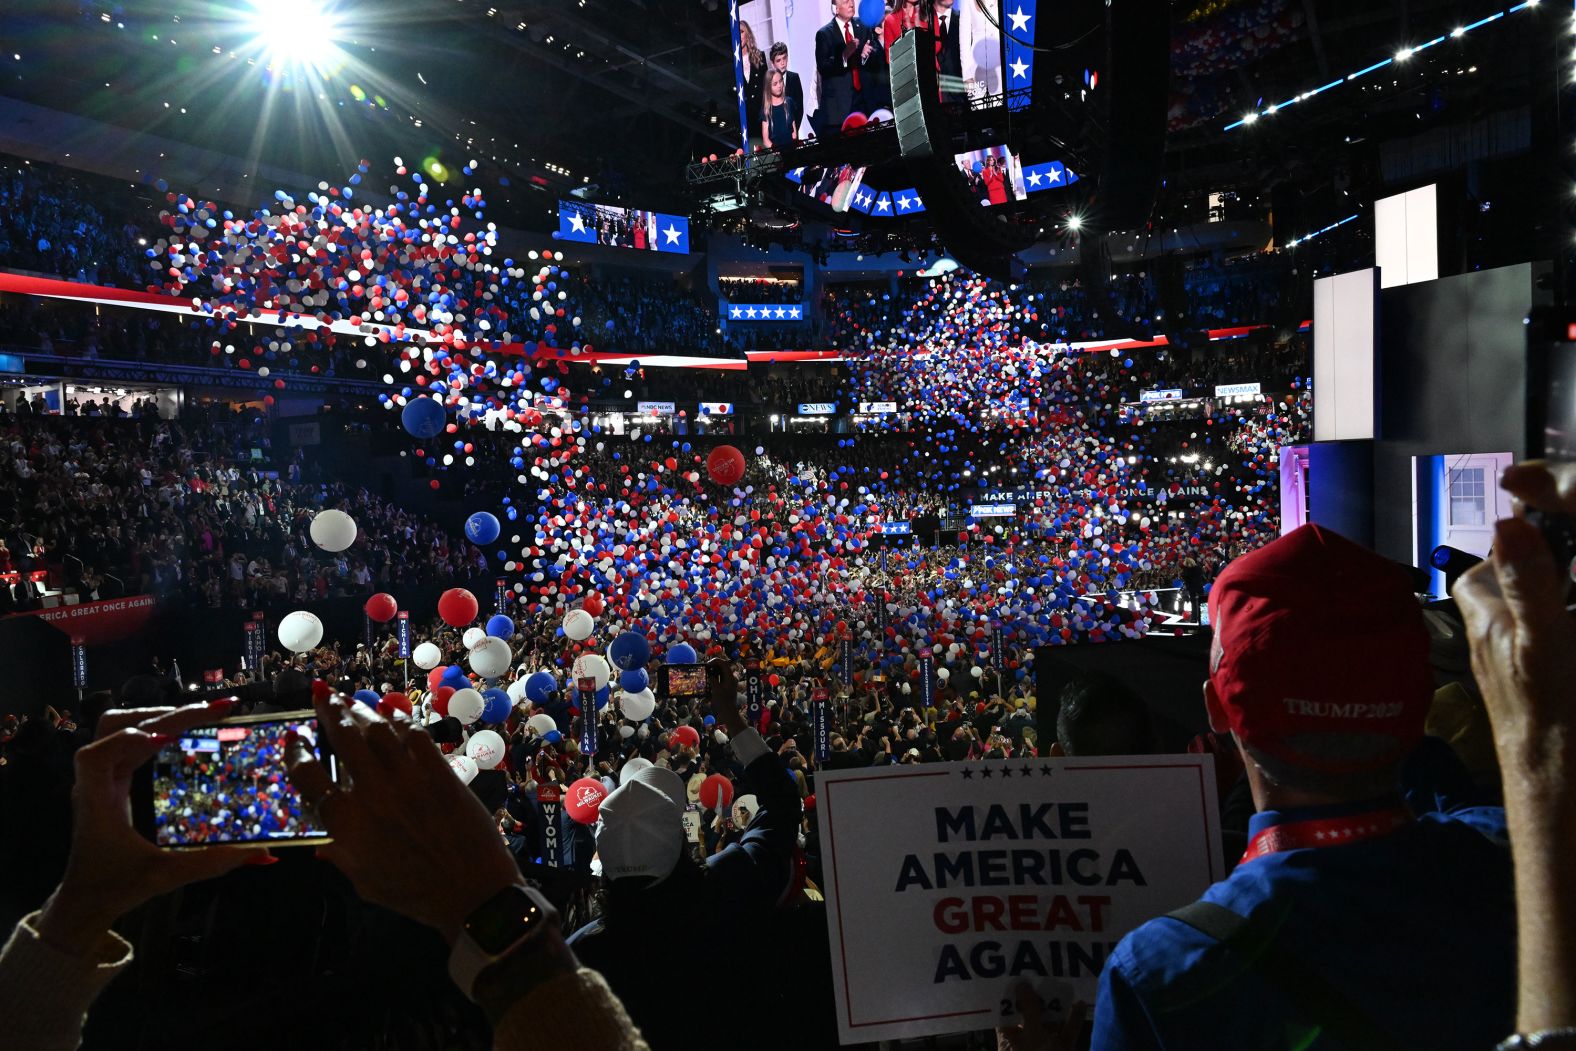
[113, 868]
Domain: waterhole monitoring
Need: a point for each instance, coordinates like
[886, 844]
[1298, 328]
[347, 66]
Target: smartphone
[225, 783]
[682, 680]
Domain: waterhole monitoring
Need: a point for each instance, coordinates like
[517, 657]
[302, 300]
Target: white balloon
[541, 723]
[300, 631]
[593, 666]
[626, 731]
[466, 705]
[638, 706]
[490, 658]
[426, 656]
[977, 672]
[516, 691]
[472, 636]
[486, 747]
[332, 530]
[635, 765]
[578, 625]
[464, 766]
[943, 674]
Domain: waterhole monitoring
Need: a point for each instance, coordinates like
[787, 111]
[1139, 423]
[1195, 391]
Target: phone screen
[226, 783]
[685, 680]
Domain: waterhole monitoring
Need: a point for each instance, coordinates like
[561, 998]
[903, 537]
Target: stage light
[1459, 31]
[1250, 118]
[1074, 222]
[295, 33]
[1403, 54]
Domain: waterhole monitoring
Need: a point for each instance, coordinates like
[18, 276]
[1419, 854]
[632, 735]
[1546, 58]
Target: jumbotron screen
[805, 70]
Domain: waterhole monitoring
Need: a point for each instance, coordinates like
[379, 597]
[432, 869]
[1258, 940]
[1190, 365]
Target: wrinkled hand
[1032, 1034]
[869, 47]
[113, 868]
[1523, 640]
[407, 832]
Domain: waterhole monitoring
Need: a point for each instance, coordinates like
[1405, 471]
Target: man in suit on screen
[843, 48]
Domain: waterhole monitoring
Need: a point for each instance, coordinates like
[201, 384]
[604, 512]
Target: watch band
[468, 959]
[1548, 1039]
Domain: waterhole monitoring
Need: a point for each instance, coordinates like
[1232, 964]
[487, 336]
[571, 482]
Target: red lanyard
[1326, 832]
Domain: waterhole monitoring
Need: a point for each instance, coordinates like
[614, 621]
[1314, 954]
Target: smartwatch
[500, 926]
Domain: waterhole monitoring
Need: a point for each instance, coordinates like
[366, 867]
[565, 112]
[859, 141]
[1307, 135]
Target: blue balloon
[682, 653]
[424, 417]
[482, 528]
[499, 626]
[369, 698]
[634, 680]
[871, 12]
[496, 706]
[552, 737]
[454, 676]
[629, 650]
[539, 685]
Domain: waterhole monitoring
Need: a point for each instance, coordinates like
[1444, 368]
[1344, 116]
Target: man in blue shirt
[1351, 922]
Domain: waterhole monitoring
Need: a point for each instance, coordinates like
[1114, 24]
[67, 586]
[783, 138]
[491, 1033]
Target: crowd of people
[196, 510]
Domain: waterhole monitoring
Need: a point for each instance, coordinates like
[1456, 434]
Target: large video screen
[606, 224]
[994, 175]
[816, 69]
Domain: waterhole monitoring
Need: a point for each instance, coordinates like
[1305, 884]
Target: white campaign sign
[946, 884]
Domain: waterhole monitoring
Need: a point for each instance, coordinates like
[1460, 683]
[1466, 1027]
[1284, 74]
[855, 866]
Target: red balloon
[584, 800]
[457, 607]
[435, 677]
[716, 792]
[381, 607]
[685, 735]
[774, 679]
[440, 699]
[593, 604]
[725, 465]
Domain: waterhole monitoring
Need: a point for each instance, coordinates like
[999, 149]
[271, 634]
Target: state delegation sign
[948, 884]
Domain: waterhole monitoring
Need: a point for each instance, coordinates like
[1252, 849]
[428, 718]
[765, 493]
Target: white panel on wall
[1344, 324]
[1406, 237]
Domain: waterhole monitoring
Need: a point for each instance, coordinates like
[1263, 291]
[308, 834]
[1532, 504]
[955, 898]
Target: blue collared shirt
[1416, 929]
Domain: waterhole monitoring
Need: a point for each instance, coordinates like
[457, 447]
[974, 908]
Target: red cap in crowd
[1317, 635]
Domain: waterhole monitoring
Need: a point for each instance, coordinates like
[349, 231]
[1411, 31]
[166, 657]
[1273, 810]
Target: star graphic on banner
[1020, 68]
[782, 311]
[741, 94]
[1028, 771]
[1034, 178]
[1019, 20]
[884, 204]
[864, 200]
[672, 234]
[903, 203]
[736, 311]
[1056, 175]
[985, 771]
[576, 223]
[1006, 771]
[968, 775]
[794, 313]
[750, 312]
[1045, 771]
[733, 11]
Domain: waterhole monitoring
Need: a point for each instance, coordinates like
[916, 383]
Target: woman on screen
[995, 181]
[754, 65]
[777, 128]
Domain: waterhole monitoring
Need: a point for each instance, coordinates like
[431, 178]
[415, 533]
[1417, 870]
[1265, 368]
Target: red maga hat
[1315, 634]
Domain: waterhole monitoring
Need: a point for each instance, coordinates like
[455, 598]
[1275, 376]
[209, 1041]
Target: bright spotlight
[1249, 118]
[1403, 54]
[1459, 31]
[1074, 222]
[295, 33]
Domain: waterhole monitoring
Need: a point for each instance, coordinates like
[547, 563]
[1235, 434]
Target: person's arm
[445, 861]
[758, 867]
[1524, 657]
[766, 133]
[830, 58]
[59, 958]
